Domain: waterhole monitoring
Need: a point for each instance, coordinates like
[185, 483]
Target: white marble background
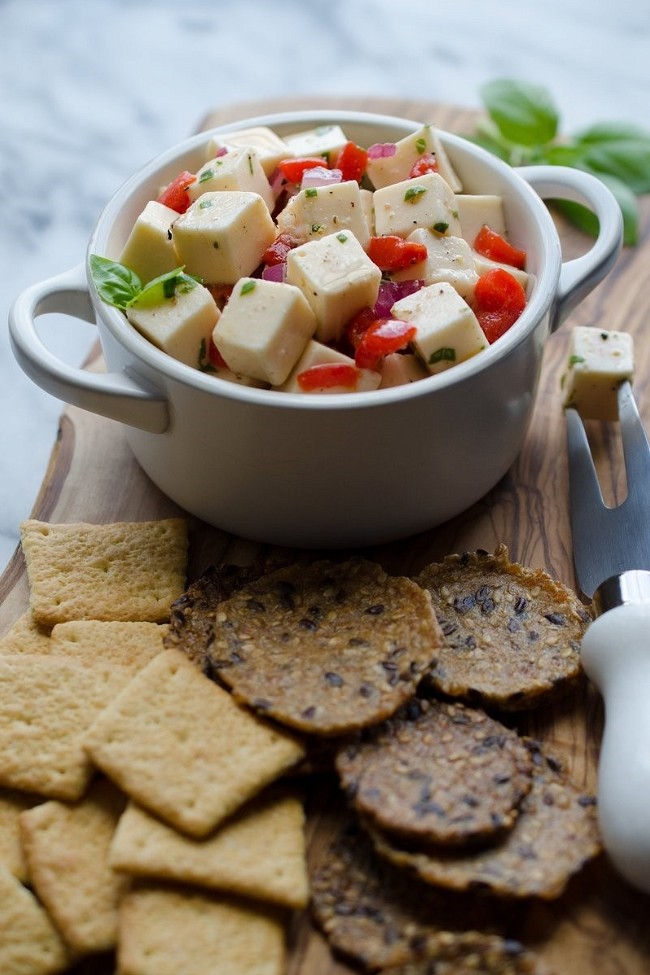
[91, 89]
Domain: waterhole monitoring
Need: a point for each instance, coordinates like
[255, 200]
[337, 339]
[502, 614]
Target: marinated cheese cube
[263, 329]
[324, 140]
[448, 259]
[383, 170]
[317, 354]
[483, 264]
[475, 210]
[321, 210]
[337, 278]
[426, 202]
[368, 204]
[222, 236]
[180, 325]
[447, 329]
[149, 249]
[270, 148]
[239, 169]
[400, 368]
[599, 361]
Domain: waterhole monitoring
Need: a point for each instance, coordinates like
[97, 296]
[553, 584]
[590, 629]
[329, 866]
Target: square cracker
[259, 852]
[30, 943]
[121, 571]
[26, 636]
[12, 804]
[66, 847]
[167, 930]
[180, 746]
[130, 645]
[46, 705]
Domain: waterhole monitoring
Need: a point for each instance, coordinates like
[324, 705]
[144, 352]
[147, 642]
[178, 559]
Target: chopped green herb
[442, 355]
[414, 193]
[317, 228]
[206, 175]
[575, 359]
[204, 204]
[441, 227]
[164, 287]
[604, 336]
[342, 237]
[455, 214]
[311, 192]
[421, 145]
[247, 287]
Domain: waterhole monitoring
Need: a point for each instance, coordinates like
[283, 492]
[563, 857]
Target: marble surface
[90, 91]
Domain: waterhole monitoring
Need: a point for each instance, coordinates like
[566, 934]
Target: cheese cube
[149, 249]
[263, 329]
[317, 354]
[424, 202]
[400, 368]
[322, 210]
[223, 235]
[239, 169]
[449, 259]
[483, 264]
[599, 361]
[368, 204]
[337, 278]
[324, 140]
[384, 170]
[180, 325]
[475, 210]
[270, 148]
[447, 329]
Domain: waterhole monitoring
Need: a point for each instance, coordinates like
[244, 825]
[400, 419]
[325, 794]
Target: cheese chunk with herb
[324, 140]
[383, 170]
[149, 249]
[321, 210]
[237, 169]
[223, 235]
[425, 202]
[475, 210]
[337, 278]
[263, 329]
[447, 329]
[483, 264]
[599, 361]
[317, 354]
[180, 325]
[270, 148]
[448, 259]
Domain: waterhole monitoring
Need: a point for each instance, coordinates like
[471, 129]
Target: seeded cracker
[123, 571]
[326, 648]
[554, 835]
[30, 944]
[438, 773]
[511, 634]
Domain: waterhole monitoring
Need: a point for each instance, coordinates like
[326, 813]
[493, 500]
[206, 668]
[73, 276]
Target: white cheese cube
[475, 210]
[400, 368]
[424, 202]
[449, 259]
[222, 372]
[483, 264]
[263, 329]
[324, 140]
[223, 235]
[270, 148]
[180, 325]
[239, 169]
[317, 354]
[447, 329]
[599, 361]
[149, 249]
[384, 170]
[337, 278]
[321, 210]
[368, 204]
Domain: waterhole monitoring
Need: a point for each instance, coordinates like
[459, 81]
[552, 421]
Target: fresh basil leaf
[626, 159]
[612, 132]
[116, 284]
[164, 286]
[524, 113]
[586, 220]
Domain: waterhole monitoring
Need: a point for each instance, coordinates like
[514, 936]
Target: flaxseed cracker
[30, 943]
[511, 635]
[326, 648]
[121, 571]
[127, 644]
[471, 953]
[438, 772]
[555, 833]
[66, 846]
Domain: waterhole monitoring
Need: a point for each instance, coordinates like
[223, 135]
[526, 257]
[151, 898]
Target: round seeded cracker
[511, 634]
[326, 648]
[438, 772]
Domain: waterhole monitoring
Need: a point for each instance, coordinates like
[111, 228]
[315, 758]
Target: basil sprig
[523, 128]
[121, 287]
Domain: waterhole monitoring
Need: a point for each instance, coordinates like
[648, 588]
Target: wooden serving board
[600, 923]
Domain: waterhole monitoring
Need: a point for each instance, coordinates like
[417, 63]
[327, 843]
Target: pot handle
[115, 395]
[581, 275]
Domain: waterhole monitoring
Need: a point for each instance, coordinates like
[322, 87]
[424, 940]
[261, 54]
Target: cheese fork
[611, 551]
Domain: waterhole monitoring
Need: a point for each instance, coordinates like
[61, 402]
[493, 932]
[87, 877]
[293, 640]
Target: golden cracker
[30, 943]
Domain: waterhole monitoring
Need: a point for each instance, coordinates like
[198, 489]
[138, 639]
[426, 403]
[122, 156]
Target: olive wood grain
[599, 924]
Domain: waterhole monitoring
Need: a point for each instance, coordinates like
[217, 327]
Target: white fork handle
[616, 656]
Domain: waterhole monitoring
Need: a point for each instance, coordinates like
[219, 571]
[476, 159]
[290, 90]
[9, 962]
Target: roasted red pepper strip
[358, 325]
[392, 253]
[175, 195]
[276, 253]
[294, 169]
[352, 161]
[492, 245]
[427, 163]
[380, 339]
[214, 356]
[499, 301]
[328, 375]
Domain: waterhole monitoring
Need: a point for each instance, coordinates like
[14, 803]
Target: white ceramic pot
[336, 470]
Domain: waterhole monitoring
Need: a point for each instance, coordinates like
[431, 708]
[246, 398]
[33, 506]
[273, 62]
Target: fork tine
[583, 479]
[636, 449]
